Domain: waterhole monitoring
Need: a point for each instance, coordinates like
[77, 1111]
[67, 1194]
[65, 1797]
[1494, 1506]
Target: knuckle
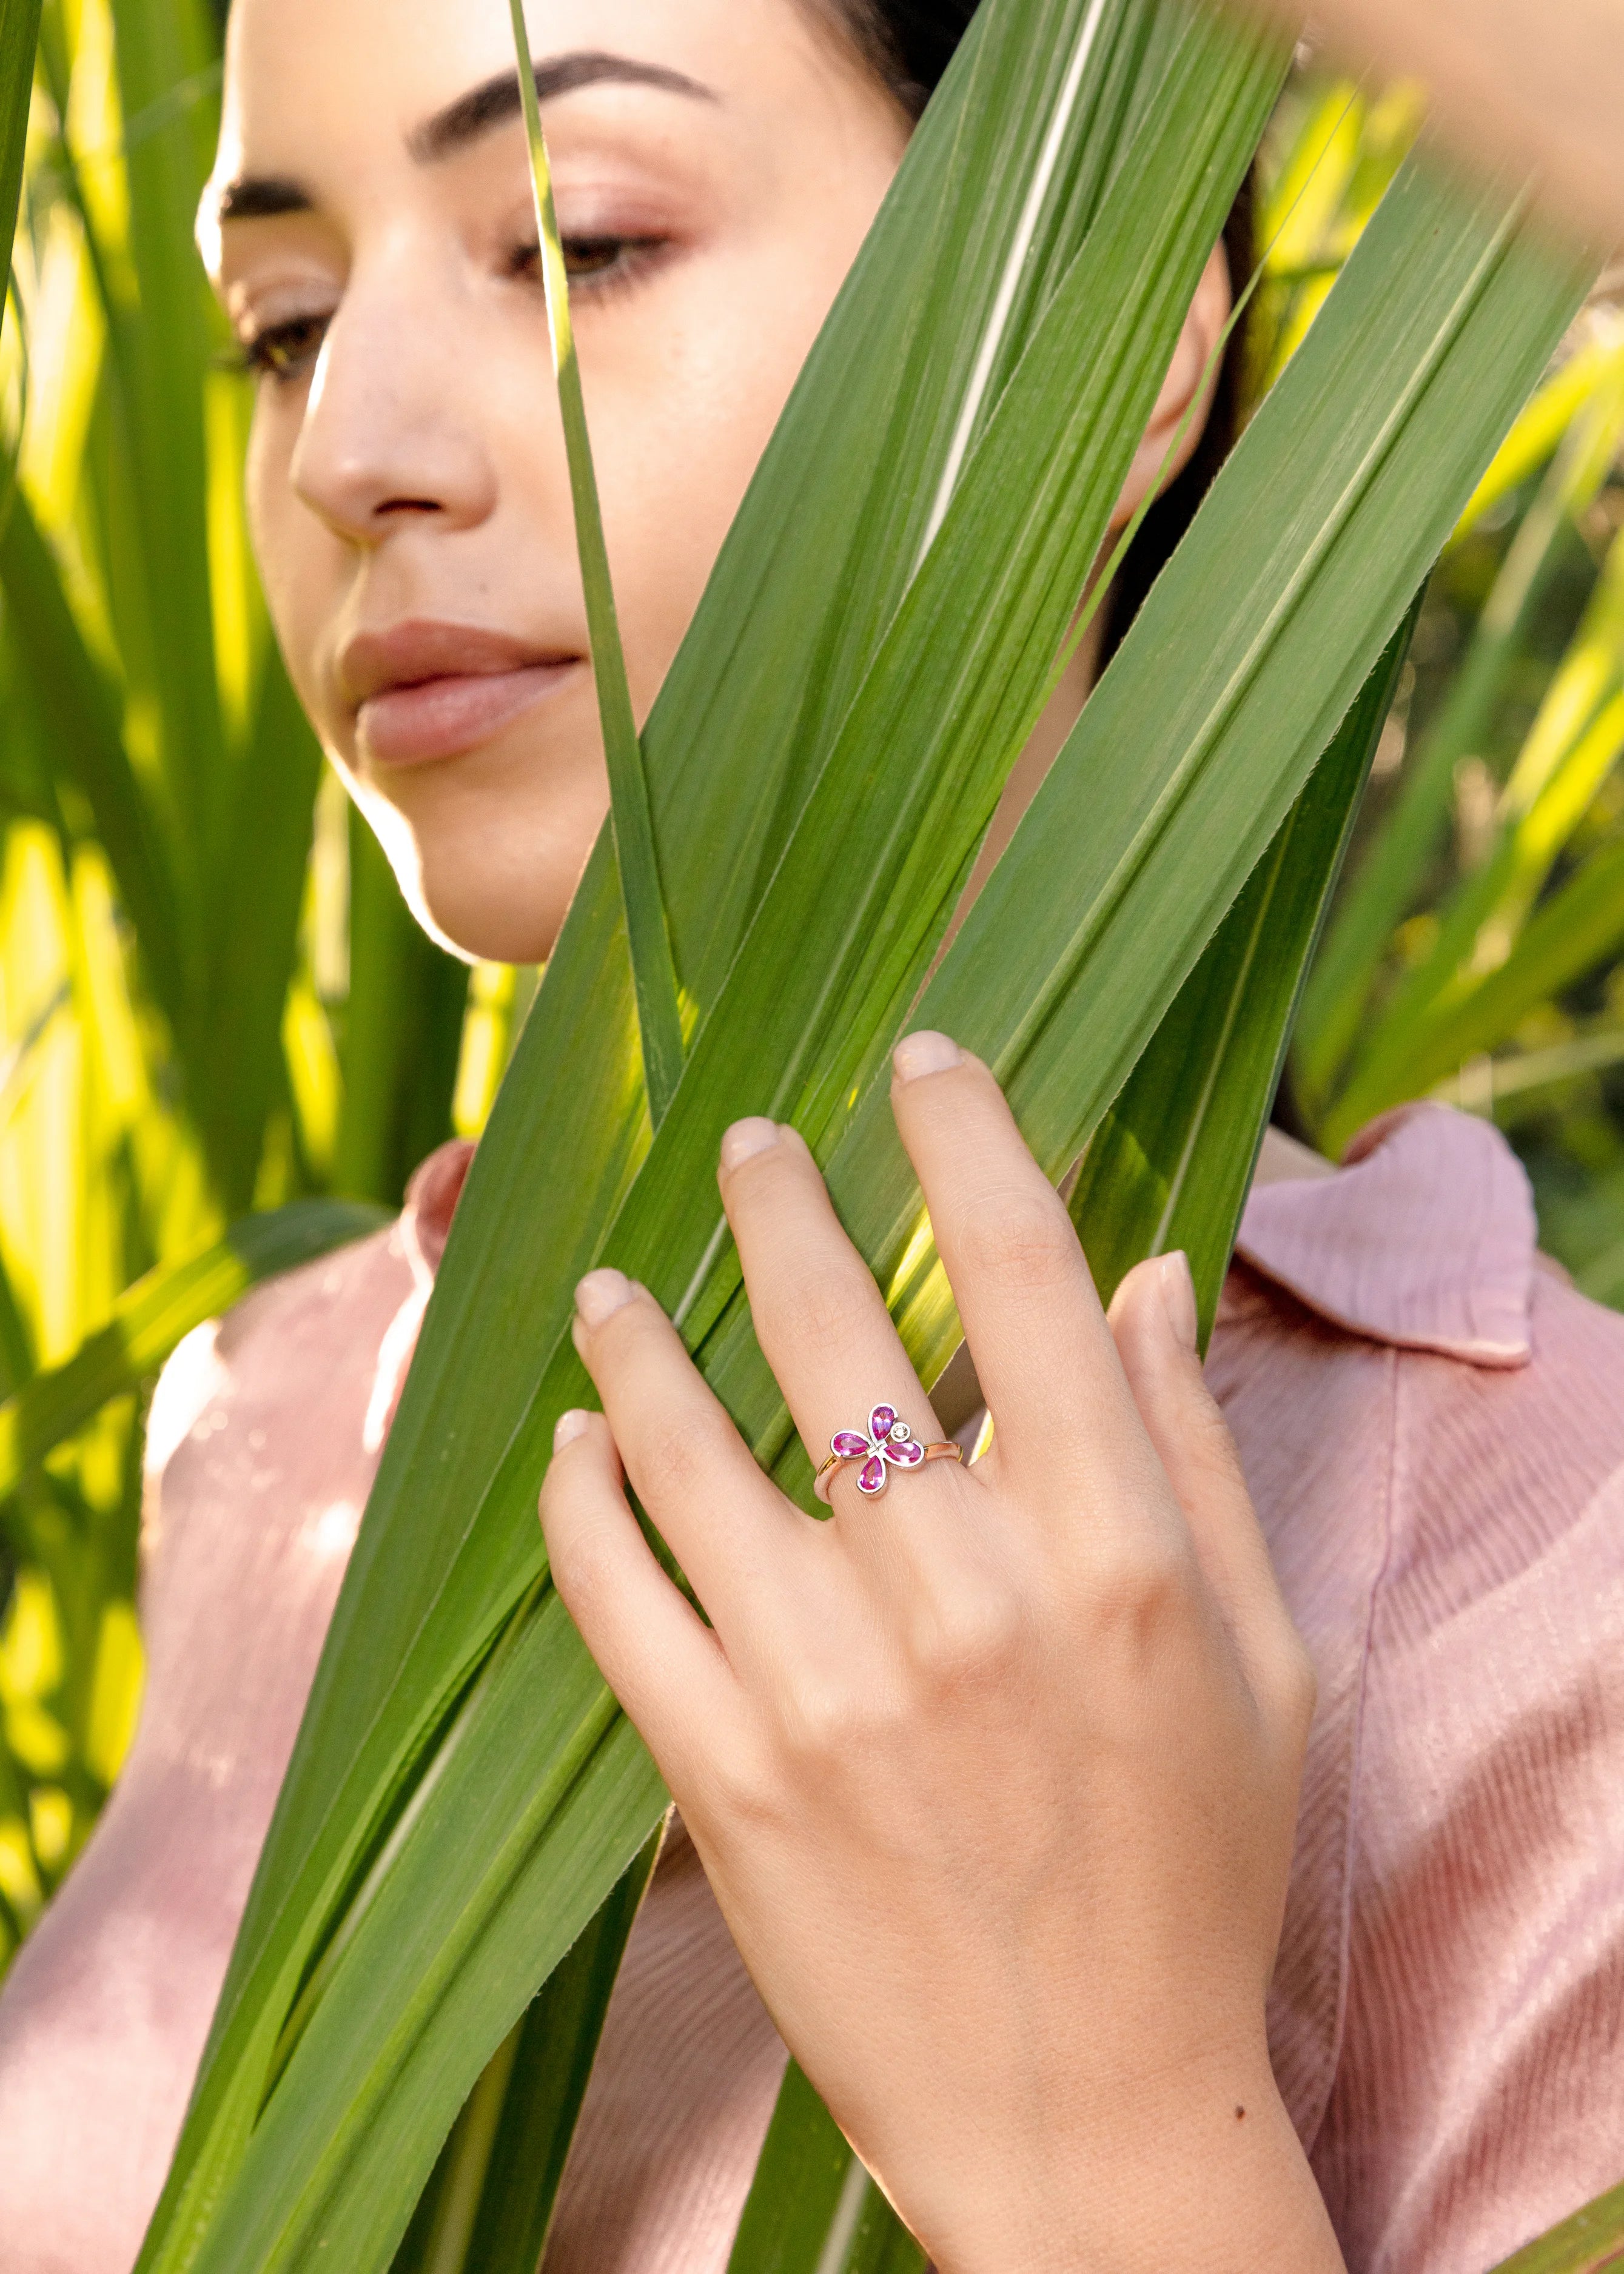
[1138, 1581]
[743, 1785]
[831, 1720]
[824, 1307]
[1019, 1240]
[576, 1555]
[680, 1455]
[969, 1647]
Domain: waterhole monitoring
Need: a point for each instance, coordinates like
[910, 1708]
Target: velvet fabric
[1432, 1428]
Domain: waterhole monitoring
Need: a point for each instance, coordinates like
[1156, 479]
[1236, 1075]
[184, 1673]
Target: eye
[597, 262]
[284, 352]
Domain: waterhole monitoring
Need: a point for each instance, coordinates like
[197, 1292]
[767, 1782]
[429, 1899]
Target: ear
[1191, 377]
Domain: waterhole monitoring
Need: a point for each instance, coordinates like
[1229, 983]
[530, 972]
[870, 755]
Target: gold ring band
[946, 1450]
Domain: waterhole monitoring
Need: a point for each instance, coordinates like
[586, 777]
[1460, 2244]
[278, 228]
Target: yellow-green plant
[194, 1020]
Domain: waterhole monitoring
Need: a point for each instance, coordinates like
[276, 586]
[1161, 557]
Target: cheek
[680, 417]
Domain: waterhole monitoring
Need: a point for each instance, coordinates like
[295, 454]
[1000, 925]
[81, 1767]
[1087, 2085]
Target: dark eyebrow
[259, 197]
[497, 101]
[256, 196]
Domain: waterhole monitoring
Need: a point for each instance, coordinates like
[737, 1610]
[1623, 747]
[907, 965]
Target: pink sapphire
[907, 1456]
[848, 1444]
[880, 1422]
[872, 1478]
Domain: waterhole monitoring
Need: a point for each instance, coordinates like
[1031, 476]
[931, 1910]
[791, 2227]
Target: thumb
[1153, 1316]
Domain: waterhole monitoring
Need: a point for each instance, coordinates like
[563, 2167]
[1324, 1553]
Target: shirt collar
[1425, 1238]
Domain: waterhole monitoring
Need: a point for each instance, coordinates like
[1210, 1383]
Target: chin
[485, 894]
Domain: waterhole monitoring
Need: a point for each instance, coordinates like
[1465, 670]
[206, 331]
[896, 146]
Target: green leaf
[20, 32]
[81, 710]
[403, 1031]
[765, 702]
[1588, 2242]
[654, 974]
[812, 2208]
[1577, 929]
[1335, 1005]
[489, 2204]
[429, 1903]
[255, 938]
[1171, 1163]
[150, 1318]
[162, 53]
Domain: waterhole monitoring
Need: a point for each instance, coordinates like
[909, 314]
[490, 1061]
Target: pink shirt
[1433, 1431]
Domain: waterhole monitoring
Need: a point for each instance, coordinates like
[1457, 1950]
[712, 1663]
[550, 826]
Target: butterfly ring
[887, 1443]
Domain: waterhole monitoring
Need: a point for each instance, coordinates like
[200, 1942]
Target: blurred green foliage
[212, 995]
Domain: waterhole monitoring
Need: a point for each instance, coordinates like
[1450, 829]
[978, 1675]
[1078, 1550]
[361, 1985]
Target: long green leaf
[1589, 2242]
[1576, 929]
[1171, 1163]
[254, 937]
[1235, 678]
[834, 538]
[1381, 891]
[653, 972]
[150, 1318]
[80, 712]
[489, 2204]
[812, 2208]
[402, 1033]
[20, 32]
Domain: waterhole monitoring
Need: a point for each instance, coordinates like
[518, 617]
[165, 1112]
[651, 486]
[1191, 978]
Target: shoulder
[311, 1360]
[1433, 1425]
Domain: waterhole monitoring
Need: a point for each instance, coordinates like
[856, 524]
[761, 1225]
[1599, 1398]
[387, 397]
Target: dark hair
[909, 44]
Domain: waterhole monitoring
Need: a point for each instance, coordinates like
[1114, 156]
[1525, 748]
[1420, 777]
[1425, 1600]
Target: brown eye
[595, 256]
[284, 352]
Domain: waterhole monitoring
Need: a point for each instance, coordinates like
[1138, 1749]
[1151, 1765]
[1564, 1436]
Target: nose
[390, 436]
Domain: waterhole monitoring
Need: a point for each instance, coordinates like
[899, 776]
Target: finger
[665, 1668]
[818, 1315]
[726, 1525]
[1043, 1354]
[1153, 1317]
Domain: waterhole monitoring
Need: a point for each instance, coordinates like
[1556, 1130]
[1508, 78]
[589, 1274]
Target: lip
[424, 689]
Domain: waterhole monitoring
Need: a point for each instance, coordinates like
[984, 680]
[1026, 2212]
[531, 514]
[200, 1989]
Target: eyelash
[284, 352]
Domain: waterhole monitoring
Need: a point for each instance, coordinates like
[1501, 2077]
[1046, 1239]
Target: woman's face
[716, 163]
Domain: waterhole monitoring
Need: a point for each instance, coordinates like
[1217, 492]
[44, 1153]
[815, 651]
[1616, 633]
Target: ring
[887, 1443]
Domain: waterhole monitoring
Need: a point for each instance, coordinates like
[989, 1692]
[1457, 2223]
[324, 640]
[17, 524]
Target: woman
[990, 1789]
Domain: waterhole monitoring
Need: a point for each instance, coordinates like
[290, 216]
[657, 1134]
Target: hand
[994, 1777]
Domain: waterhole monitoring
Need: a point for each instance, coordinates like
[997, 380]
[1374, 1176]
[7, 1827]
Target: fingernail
[568, 1426]
[752, 1136]
[599, 1293]
[1179, 1297]
[926, 1052]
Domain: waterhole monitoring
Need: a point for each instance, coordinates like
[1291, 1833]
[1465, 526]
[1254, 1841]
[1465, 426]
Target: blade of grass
[254, 940]
[19, 33]
[81, 710]
[654, 972]
[812, 2209]
[150, 1318]
[1171, 1163]
[1578, 928]
[490, 2203]
[402, 1033]
[1589, 2242]
[1381, 891]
